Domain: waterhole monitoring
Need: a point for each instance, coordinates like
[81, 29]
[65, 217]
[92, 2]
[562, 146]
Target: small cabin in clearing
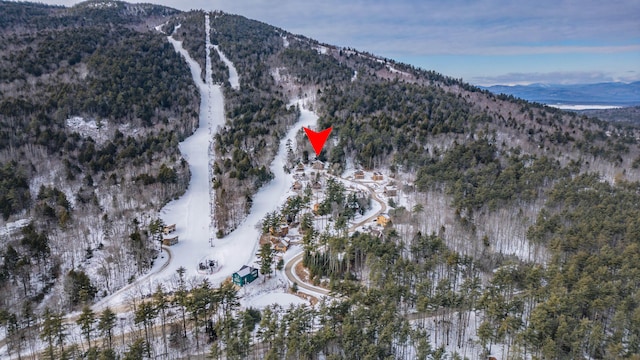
[377, 176]
[280, 246]
[300, 167]
[168, 241]
[245, 275]
[318, 165]
[297, 185]
[167, 229]
[390, 191]
[359, 175]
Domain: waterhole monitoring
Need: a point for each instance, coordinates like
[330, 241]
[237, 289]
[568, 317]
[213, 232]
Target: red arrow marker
[318, 138]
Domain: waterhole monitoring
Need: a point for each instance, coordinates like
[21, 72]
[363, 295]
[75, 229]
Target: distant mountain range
[610, 93]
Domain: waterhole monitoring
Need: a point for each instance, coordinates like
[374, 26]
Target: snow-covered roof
[244, 271]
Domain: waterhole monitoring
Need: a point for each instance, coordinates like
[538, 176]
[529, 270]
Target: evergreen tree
[266, 259]
[106, 323]
[145, 314]
[86, 320]
[161, 303]
[53, 332]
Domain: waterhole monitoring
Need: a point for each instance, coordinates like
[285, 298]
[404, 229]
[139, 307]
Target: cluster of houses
[377, 176]
[317, 165]
[276, 237]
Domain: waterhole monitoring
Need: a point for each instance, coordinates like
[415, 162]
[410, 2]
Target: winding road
[291, 265]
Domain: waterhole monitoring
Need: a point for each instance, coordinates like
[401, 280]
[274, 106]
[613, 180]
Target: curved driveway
[290, 266]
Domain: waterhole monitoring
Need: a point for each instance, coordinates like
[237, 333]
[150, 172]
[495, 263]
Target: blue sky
[482, 41]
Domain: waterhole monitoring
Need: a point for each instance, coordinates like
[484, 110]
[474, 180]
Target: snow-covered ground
[396, 71]
[239, 247]
[265, 300]
[321, 49]
[159, 27]
[192, 212]
[98, 130]
[12, 227]
[234, 78]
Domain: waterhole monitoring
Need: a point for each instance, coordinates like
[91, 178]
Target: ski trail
[207, 36]
[234, 78]
[240, 246]
[192, 212]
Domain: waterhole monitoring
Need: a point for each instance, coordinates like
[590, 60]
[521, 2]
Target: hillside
[93, 104]
[627, 115]
[512, 226]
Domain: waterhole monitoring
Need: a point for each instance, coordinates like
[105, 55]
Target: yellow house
[377, 176]
[382, 220]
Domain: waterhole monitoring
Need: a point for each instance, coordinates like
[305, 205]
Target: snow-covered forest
[439, 221]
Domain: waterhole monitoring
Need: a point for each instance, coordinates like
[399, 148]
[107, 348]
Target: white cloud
[556, 77]
[446, 27]
[452, 26]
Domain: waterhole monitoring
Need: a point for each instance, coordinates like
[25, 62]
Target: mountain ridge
[603, 93]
